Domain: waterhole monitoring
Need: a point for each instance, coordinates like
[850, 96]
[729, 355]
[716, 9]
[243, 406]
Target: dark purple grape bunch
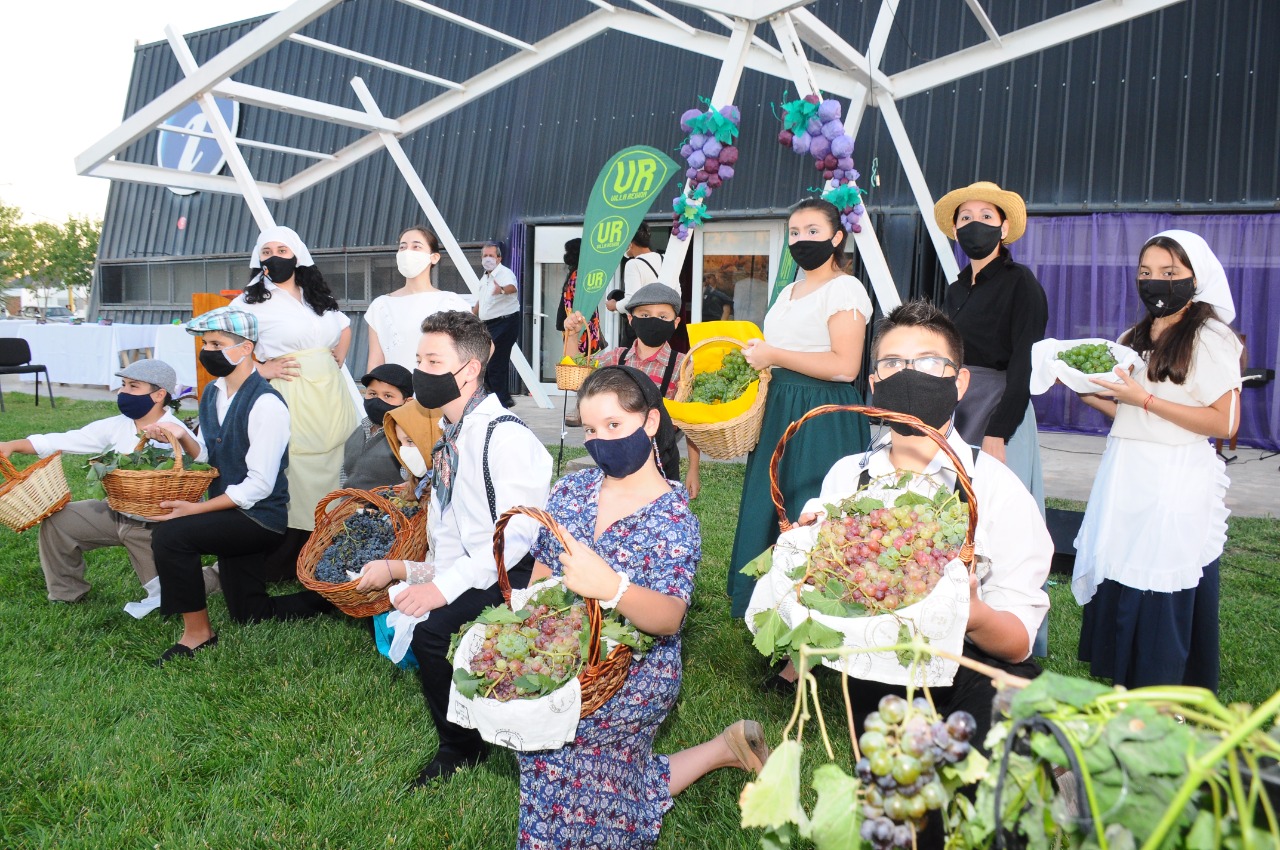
[710, 155]
[813, 126]
[903, 746]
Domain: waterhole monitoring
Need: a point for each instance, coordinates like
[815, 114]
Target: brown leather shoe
[746, 740]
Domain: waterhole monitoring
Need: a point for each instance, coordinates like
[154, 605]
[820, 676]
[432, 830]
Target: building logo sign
[195, 153]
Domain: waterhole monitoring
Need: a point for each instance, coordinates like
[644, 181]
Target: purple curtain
[1088, 265]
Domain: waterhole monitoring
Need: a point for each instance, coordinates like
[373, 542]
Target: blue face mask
[134, 406]
[622, 457]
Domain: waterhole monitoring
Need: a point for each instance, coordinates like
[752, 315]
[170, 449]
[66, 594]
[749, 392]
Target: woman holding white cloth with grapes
[303, 340]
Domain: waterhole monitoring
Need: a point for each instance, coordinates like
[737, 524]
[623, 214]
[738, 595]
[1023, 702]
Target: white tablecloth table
[176, 347]
[84, 354]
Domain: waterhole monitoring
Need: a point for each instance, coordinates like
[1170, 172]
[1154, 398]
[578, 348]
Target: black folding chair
[15, 359]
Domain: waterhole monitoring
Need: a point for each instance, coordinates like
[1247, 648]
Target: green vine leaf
[838, 813]
[773, 799]
[769, 628]
[468, 685]
[1049, 690]
[759, 565]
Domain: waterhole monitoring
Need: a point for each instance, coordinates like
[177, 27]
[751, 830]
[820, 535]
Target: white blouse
[287, 325]
[800, 324]
[397, 320]
[1215, 370]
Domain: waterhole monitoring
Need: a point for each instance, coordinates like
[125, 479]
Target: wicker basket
[329, 524]
[962, 478]
[600, 677]
[570, 376]
[732, 437]
[139, 492]
[413, 541]
[31, 495]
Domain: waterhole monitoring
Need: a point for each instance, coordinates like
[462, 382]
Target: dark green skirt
[809, 455]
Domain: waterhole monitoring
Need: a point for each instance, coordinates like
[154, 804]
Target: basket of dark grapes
[889, 562]
[354, 527]
[525, 672]
[1076, 362]
[720, 409]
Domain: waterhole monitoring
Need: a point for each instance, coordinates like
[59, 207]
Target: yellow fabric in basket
[709, 358]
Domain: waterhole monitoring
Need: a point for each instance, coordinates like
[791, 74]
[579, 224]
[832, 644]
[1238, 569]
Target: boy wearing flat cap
[145, 398]
[245, 424]
[654, 314]
[367, 460]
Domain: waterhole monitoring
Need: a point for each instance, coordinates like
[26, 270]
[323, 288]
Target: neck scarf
[444, 456]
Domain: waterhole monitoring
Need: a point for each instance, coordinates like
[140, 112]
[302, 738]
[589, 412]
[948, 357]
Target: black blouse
[1000, 316]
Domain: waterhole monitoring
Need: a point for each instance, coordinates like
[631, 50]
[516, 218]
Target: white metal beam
[664, 15]
[880, 32]
[842, 54]
[793, 55]
[441, 105]
[154, 175]
[1022, 42]
[468, 23]
[442, 230]
[732, 62]
[727, 22]
[304, 106]
[336, 50]
[249, 143]
[226, 139]
[236, 56]
[919, 186]
[981, 14]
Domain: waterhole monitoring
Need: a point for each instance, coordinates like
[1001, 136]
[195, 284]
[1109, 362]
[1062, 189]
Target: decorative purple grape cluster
[710, 155]
[812, 126]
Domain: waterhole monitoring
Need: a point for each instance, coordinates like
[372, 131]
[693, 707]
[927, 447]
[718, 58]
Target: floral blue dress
[608, 789]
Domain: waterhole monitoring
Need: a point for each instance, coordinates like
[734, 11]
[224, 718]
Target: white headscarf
[286, 235]
[1211, 278]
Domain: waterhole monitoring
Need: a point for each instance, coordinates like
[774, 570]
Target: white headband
[285, 235]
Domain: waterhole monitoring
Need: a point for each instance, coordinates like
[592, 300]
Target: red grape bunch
[710, 154]
[868, 556]
[813, 126]
[532, 657]
[904, 745]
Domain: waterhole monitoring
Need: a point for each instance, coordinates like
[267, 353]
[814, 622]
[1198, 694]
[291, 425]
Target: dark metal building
[1177, 110]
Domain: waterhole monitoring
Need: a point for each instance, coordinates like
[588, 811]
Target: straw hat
[1015, 209]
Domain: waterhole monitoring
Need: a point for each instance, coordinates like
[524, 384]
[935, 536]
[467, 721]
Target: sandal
[180, 651]
[746, 741]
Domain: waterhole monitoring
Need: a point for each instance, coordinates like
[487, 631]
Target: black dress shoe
[445, 764]
[180, 651]
[780, 685]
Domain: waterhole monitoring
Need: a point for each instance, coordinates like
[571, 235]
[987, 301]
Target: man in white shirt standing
[91, 524]
[486, 462]
[499, 309]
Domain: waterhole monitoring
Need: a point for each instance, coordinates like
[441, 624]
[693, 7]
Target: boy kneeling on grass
[653, 313]
[916, 357]
[83, 526]
[245, 424]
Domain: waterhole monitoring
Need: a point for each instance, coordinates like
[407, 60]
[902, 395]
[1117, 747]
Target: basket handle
[397, 519]
[9, 471]
[168, 438]
[594, 616]
[962, 477]
[586, 329]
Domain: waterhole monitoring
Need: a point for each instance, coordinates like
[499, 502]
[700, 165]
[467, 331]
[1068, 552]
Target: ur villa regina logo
[190, 145]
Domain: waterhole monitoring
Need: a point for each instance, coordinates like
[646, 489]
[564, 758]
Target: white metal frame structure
[845, 72]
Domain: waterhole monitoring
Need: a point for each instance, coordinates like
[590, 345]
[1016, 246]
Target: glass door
[734, 266]
[549, 276]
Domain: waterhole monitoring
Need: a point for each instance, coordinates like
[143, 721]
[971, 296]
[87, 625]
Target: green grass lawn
[300, 735]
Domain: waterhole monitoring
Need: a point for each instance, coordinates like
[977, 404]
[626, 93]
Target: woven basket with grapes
[520, 669]
[885, 564]
[733, 436]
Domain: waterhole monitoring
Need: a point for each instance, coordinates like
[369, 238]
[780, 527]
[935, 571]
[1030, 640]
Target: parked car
[51, 314]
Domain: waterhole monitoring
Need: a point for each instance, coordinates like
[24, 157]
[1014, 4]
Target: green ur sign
[622, 194]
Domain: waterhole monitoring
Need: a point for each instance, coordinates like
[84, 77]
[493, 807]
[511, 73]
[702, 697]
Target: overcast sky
[64, 67]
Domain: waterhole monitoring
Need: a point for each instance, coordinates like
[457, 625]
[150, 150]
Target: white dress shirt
[461, 536]
[1011, 532]
[117, 433]
[268, 440]
[496, 306]
[286, 325]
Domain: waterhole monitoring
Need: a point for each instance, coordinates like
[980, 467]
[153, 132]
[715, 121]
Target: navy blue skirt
[1139, 637]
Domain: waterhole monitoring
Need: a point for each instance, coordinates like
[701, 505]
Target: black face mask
[653, 332]
[280, 269]
[1166, 297]
[435, 391]
[930, 399]
[811, 254]
[215, 362]
[978, 240]
[376, 409]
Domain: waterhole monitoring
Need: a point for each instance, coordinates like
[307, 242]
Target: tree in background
[48, 254]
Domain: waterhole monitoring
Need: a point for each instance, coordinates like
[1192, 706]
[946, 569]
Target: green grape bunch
[1091, 358]
[726, 383]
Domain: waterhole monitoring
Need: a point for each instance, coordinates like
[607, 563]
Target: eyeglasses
[935, 366]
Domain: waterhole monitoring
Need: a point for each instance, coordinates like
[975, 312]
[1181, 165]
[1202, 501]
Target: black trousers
[431, 644]
[242, 547]
[504, 330]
